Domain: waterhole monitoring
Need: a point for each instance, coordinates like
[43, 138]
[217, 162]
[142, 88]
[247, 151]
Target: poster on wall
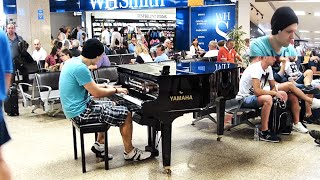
[212, 23]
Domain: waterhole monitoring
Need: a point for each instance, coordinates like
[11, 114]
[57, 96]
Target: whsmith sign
[90, 5]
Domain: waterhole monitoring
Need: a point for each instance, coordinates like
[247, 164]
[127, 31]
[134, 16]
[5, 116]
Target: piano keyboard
[133, 104]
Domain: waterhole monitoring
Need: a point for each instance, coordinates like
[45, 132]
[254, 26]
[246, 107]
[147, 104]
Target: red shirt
[225, 53]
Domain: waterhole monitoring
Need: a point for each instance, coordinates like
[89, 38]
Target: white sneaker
[299, 128]
[136, 155]
[98, 149]
[315, 103]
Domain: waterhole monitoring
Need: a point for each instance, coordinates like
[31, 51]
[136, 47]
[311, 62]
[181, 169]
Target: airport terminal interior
[180, 68]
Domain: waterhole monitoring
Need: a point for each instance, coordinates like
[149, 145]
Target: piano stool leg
[152, 137]
[83, 157]
[220, 104]
[166, 130]
[74, 142]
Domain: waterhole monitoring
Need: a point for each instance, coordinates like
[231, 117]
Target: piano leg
[166, 130]
[152, 137]
[220, 105]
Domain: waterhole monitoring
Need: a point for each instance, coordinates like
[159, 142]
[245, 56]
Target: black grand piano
[161, 92]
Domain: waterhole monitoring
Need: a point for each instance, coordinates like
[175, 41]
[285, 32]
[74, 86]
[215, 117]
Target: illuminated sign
[212, 23]
[130, 4]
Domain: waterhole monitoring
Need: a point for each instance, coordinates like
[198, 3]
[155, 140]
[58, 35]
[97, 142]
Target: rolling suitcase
[11, 103]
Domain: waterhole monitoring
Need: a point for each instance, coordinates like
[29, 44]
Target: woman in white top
[115, 38]
[195, 49]
[142, 54]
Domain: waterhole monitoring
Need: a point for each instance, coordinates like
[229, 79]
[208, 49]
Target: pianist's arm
[98, 92]
[258, 91]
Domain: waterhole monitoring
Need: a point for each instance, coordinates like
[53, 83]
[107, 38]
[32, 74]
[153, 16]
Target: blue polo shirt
[162, 57]
[262, 47]
[5, 67]
[74, 97]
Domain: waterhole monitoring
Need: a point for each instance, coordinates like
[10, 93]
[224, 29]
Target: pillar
[33, 22]
[244, 9]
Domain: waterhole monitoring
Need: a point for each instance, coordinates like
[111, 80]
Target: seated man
[76, 82]
[290, 69]
[314, 64]
[251, 91]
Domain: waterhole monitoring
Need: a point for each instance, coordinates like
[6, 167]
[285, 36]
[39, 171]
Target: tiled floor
[41, 148]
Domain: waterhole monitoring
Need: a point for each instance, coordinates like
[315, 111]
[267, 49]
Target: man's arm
[98, 92]
[258, 91]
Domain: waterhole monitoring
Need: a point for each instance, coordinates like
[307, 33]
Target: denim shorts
[250, 102]
[300, 80]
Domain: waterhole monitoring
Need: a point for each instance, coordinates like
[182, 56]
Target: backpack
[280, 117]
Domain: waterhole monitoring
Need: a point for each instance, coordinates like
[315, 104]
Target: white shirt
[115, 35]
[253, 71]
[212, 53]
[292, 69]
[39, 55]
[193, 49]
[146, 57]
[106, 37]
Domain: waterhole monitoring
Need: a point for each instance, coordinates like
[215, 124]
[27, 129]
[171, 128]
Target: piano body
[158, 96]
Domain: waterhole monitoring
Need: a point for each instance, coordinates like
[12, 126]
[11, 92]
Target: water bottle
[256, 133]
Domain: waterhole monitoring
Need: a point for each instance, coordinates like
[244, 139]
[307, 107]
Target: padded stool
[89, 128]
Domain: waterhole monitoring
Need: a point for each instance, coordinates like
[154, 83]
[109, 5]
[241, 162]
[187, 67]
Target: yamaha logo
[181, 98]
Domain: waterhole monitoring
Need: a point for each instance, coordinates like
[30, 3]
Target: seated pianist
[75, 83]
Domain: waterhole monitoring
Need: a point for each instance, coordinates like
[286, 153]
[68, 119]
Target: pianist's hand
[122, 90]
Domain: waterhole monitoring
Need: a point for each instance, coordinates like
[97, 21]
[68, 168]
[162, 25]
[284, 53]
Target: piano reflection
[161, 92]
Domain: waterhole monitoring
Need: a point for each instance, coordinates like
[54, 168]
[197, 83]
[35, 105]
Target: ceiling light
[317, 14]
[306, 38]
[300, 13]
[317, 42]
[316, 38]
[304, 31]
[316, 31]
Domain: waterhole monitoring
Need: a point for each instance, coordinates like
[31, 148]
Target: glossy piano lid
[181, 68]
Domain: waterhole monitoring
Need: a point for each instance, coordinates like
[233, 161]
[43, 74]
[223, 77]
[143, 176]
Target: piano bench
[89, 128]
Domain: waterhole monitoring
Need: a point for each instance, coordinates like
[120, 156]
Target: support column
[244, 16]
[33, 22]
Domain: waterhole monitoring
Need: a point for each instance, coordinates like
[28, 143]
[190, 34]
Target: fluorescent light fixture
[304, 31]
[316, 31]
[306, 38]
[317, 42]
[316, 38]
[300, 13]
[12, 6]
[317, 14]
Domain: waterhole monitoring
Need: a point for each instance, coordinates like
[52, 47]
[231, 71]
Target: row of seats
[118, 59]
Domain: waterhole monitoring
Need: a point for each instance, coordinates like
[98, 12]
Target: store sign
[212, 23]
[130, 4]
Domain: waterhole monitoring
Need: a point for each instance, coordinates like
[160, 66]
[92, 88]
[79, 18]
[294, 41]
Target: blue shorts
[4, 135]
[250, 102]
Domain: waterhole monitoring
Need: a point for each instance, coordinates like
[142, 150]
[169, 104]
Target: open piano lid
[180, 68]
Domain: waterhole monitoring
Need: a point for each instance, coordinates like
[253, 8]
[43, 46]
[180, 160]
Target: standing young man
[6, 70]
[76, 85]
[284, 24]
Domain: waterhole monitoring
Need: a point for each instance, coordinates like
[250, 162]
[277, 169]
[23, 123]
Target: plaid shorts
[102, 111]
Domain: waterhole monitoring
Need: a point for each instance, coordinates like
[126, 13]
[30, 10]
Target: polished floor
[41, 148]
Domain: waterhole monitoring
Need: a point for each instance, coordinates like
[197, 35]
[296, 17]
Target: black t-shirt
[139, 60]
[313, 63]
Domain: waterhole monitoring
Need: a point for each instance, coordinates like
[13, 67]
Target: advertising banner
[212, 23]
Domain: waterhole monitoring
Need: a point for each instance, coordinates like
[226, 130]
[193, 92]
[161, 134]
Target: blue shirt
[162, 57]
[262, 47]
[74, 97]
[131, 48]
[5, 67]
